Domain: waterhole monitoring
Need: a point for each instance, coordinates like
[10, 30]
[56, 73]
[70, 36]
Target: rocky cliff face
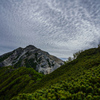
[31, 56]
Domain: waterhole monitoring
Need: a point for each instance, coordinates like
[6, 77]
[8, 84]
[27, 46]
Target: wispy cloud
[60, 27]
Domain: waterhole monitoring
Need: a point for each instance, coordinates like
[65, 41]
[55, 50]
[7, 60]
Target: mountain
[75, 80]
[19, 70]
[31, 57]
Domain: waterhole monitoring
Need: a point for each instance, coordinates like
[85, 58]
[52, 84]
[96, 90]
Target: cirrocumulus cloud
[60, 27]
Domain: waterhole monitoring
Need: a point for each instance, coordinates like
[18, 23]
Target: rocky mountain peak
[30, 47]
[31, 56]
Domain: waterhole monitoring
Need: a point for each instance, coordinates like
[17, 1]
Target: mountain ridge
[30, 56]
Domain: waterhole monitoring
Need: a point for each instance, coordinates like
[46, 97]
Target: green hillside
[14, 81]
[76, 80]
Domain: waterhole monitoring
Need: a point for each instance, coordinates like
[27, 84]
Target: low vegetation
[14, 81]
[75, 80]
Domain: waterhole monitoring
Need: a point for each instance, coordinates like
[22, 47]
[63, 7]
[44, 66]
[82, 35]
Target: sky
[60, 27]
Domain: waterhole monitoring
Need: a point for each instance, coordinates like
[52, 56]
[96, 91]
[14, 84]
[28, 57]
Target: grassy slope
[84, 61]
[14, 81]
[76, 80]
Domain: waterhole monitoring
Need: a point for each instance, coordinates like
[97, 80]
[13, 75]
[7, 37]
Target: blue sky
[60, 27]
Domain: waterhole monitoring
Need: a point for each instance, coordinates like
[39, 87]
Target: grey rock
[31, 56]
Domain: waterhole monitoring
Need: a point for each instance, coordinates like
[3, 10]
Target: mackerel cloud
[60, 27]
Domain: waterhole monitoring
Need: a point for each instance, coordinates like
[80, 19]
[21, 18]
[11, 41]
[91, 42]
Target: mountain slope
[76, 80]
[14, 81]
[31, 57]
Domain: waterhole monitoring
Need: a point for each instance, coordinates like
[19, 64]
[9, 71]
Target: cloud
[60, 27]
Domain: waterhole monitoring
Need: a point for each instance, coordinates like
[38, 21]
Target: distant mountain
[31, 57]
